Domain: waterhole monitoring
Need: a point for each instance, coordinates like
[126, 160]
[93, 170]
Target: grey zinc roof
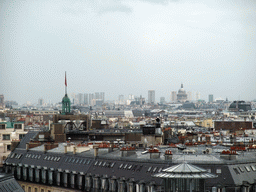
[8, 183]
[26, 139]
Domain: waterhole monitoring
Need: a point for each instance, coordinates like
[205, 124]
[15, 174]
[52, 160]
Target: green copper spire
[65, 101]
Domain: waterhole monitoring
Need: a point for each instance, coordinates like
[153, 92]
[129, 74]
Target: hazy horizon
[127, 47]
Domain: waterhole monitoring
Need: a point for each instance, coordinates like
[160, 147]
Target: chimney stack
[96, 151]
[27, 146]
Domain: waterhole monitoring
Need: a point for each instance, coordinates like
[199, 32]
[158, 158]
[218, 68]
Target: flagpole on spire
[65, 83]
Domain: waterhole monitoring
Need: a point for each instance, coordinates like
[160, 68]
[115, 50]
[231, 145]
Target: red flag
[65, 79]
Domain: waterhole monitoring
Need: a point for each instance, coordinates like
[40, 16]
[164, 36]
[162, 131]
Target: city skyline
[127, 47]
[86, 98]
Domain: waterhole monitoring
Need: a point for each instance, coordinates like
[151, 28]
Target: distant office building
[190, 96]
[162, 100]
[86, 99]
[9, 104]
[151, 96]
[198, 96]
[138, 101]
[102, 96]
[97, 95]
[131, 97]
[91, 98]
[98, 102]
[40, 101]
[173, 96]
[182, 95]
[121, 99]
[1, 100]
[210, 98]
[80, 98]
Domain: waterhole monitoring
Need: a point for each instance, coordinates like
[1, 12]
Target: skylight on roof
[247, 168]
[12, 155]
[240, 168]
[236, 171]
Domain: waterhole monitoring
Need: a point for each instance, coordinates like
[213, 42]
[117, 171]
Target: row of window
[8, 136]
[15, 155]
[154, 169]
[77, 160]
[16, 126]
[29, 189]
[240, 169]
[80, 181]
[218, 171]
[52, 158]
[47, 157]
[33, 156]
[104, 164]
[131, 167]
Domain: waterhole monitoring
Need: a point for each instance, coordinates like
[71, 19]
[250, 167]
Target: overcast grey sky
[127, 47]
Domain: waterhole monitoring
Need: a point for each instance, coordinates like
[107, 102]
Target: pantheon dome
[182, 95]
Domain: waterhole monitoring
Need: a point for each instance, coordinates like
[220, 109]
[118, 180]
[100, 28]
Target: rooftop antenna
[65, 83]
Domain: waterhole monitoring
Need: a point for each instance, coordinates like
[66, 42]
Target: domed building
[182, 95]
[240, 106]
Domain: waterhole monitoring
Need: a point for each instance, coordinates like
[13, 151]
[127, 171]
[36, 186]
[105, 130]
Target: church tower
[65, 101]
